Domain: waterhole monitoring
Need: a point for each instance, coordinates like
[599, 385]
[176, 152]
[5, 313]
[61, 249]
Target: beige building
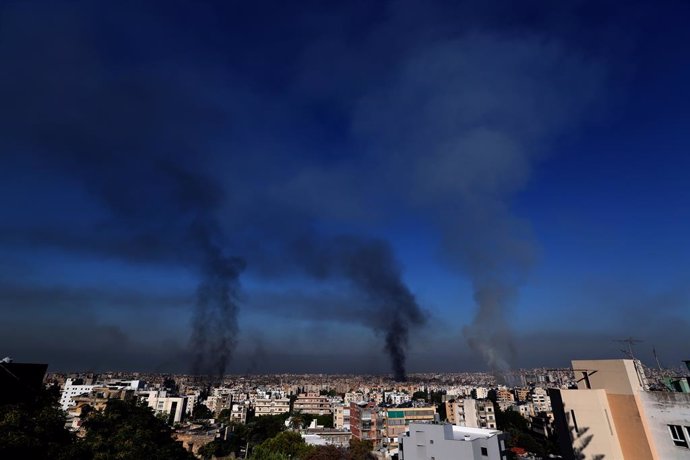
[271, 406]
[341, 417]
[613, 415]
[472, 413]
[312, 403]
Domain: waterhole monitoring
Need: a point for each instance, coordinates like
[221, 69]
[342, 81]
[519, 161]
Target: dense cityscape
[543, 413]
[352, 230]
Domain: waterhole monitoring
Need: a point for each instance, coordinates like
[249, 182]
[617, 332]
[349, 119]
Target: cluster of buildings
[597, 409]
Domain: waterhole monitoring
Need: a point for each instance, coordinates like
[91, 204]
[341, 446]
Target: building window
[485, 452]
[431, 441]
[678, 436]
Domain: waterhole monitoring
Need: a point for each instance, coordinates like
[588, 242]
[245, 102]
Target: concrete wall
[661, 409]
[590, 424]
[629, 427]
[617, 376]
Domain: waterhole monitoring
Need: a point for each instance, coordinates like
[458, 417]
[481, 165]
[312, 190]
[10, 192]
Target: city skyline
[455, 187]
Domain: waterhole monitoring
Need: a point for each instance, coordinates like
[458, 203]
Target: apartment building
[472, 413]
[396, 421]
[73, 388]
[312, 403]
[613, 414]
[271, 406]
[424, 441]
[365, 422]
[341, 417]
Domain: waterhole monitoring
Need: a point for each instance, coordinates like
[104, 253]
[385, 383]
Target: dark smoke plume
[214, 323]
[136, 144]
[467, 121]
[370, 266]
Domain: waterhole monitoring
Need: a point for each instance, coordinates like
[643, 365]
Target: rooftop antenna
[656, 357]
[630, 341]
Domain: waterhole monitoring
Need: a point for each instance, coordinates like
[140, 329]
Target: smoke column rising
[460, 126]
[214, 324]
[371, 268]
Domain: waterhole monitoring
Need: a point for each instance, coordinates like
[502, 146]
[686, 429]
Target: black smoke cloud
[137, 138]
[470, 122]
[127, 141]
[370, 266]
[198, 157]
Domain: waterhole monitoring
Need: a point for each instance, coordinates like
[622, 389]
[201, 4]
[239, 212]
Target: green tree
[287, 443]
[421, 395]
[361, 450]
[125, 430]
[36, 430]
[325, 420]
[328, 453]
[442, 413]
[201, 412]
[217, 448]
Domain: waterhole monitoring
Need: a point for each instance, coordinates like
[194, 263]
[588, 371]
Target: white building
[481, 392]
[72, 388]
[174, 407]
[424, 441]
[394, 397]
[354, 397]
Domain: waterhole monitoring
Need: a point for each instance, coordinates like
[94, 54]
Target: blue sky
[486, 185]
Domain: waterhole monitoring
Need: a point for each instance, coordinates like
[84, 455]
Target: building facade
[365, 423]
[612, 414]
[425, 441]
[271, 406]
[312, 403]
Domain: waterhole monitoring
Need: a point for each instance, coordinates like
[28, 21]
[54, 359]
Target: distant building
[541, 400]
[612, 414]
[341, 417]
[72, 388]
[238, 413]
[354, 397]
[397, 420]
[327, 436]
[424, 441]
[218, 401]
[271, 406]
[504, 395]
[312, 403]
[365, 423]
[395, 397]
[471, 413]
[173, 407]
[522, 394]
[480, 393]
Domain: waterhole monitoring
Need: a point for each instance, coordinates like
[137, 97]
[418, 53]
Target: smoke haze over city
[376, 187]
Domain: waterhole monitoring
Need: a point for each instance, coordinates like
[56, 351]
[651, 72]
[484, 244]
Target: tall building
[365, 423]
[472, 413]
[426, 441]
[341, 417]
[612, 414]
[396, 421]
